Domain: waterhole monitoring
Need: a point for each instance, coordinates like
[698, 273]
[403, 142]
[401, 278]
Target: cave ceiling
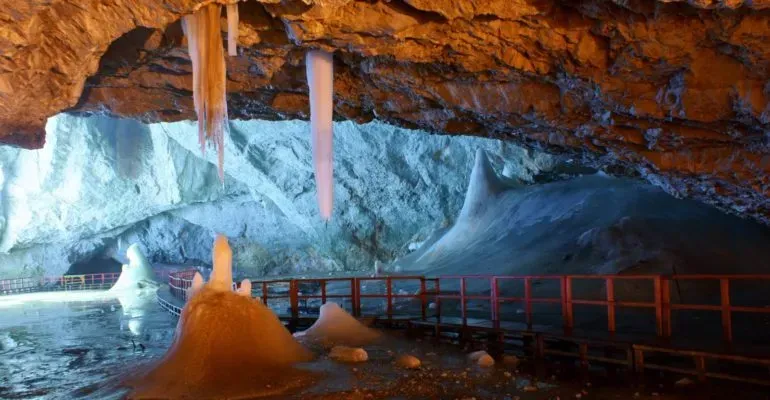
[675, 92]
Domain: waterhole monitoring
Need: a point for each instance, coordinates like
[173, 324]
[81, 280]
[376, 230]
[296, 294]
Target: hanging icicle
[204, 43]
[320, 80]
[232, 29]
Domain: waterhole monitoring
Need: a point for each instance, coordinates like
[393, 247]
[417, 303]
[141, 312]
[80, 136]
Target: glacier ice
[590, 224]
[320, 80]
[335, 326]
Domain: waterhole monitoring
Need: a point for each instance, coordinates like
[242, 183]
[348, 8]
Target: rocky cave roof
[673, 91]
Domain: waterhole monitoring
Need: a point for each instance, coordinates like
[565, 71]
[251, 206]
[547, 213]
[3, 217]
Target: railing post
[493, 306]
[727, 324]
[665, 299]
[323, 291]
[355, 289]
[566, 301]
[658, 288]
[462, 300]
[528, 301]
[438, 300]
[389, 295]
[264, 293]
[423, 299]
[294, 298]
[610, 286]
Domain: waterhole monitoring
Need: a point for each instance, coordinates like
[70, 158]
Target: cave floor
[79, 345]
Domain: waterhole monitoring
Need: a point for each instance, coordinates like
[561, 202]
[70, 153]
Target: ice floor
[78, 345]
[56, 345]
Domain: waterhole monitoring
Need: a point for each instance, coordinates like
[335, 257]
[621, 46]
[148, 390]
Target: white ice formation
[336, 327]
[245, 289]
[137, 274]
[483, 187]
[320, 80]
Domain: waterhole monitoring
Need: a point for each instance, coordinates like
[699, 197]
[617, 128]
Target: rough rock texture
[101, 184]
[673, 90]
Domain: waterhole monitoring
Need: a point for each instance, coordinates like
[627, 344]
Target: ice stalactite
[204, 43]
[232, 29]
[320, 79]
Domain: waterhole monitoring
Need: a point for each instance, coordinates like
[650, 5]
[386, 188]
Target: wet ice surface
[57, 345]
[77, 345]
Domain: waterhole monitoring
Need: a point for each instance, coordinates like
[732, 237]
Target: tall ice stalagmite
[320, 79]
[204, 43]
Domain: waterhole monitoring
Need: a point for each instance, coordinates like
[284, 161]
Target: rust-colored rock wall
[675, 91]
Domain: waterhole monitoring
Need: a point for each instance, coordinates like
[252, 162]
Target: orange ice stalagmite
[227, 346]
[222, 274]
[320, 79]
[204, 44]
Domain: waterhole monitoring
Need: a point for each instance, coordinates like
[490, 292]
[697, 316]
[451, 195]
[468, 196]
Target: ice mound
[589, 224]
[226, 346]
[137, 274]
[348, 354]
[335, 326]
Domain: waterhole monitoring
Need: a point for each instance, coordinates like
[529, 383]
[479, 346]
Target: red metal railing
[659, 299]
[661, 295]
[180, 281]
[66, 282]
[294, 291]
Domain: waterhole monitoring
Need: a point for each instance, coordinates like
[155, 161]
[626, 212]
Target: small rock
[507, 374]
[684, 382]
[481, 358]
[530, 388]
[511, 361]
[408, 361]
[348, 354]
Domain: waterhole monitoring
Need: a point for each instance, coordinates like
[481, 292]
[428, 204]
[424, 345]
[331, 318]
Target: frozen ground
[57, 345]
[79, 345]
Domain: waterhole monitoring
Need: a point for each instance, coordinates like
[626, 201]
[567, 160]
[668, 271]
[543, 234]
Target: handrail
[660, 295]
[65, 282]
